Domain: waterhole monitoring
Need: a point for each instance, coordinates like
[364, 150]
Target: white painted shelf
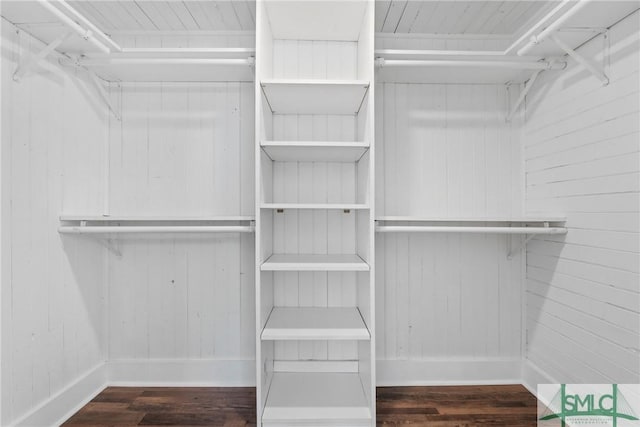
[138, 218]
[315, 323]
[318, 399]
[300, 262]
[96, 224]
[292, 96]
[339, 206]
[489, 225]
[314, 151]
[173, 65]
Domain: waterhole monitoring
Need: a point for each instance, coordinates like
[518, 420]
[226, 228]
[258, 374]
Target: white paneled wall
[582, 159]
[446, 151]
[183, 150]
[54, 132]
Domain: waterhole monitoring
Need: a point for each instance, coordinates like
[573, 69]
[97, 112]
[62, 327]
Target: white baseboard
[182, 372]
[532, 375]
[55, 410]
[448, 372]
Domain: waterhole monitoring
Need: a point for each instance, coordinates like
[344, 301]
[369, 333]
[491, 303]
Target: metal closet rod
[76, 229]
[164, 61]
[469, 229]
[518, 65]
[89, 25]
[85, 34]
[553, 27]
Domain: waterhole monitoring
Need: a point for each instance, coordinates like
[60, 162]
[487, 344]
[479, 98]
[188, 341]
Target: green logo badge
[590, 405]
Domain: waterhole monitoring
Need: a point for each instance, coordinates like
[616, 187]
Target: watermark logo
[593, 405]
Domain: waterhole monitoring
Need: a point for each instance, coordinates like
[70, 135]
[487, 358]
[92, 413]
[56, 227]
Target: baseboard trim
[59, 407]
[532, 375]
[448, 372]
[182, 372]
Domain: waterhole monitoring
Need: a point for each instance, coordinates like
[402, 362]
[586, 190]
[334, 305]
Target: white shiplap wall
[182, 149]
[446, 151]
[582, 159]
[53, 325]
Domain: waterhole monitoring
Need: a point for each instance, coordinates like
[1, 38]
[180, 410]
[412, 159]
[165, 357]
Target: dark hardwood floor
[451, 406]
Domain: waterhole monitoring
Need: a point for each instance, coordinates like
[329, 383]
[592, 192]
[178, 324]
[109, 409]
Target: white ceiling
[503, 18]
[456, 17]
[152, 15]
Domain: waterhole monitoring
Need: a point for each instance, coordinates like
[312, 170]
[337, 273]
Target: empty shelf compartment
[315, 323]
[301, 262]
[314, 151]
[293, 96]
[319, 399]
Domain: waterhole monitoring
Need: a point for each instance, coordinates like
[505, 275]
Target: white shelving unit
[315, 323]
[294, 162]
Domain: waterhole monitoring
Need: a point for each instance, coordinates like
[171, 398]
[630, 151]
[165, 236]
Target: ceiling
[189, 15]
[496, 18]
[456, 17]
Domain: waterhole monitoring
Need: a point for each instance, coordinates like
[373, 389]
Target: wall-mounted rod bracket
[111, 246]
[103, 94]
[33, 61]
[513, 251]
[527, 87]
[585, 62]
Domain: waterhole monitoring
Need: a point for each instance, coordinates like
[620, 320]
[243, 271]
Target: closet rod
[155, 229]
[164, 61]
[85, 34]
[553, 27]
[90, 25]
[518, 65]
[458, 229]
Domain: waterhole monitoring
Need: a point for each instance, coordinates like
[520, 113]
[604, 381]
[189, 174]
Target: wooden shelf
[347, 262]
[314, 151]
[314, 323]
[291, 96]
[333, 206]
[316, 399]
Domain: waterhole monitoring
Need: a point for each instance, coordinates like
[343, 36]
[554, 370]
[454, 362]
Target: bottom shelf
[318, 399]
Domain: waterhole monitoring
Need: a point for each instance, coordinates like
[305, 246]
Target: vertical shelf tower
[315, 349]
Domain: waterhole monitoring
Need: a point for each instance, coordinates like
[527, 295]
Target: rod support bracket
[518, 248]
[585, 62]
[33, 61]
[111, 246]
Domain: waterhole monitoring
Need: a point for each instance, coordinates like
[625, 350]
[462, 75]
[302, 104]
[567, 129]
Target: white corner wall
[53, 312]
[582, 159]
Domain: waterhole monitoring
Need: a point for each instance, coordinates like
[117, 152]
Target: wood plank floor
[450, 406]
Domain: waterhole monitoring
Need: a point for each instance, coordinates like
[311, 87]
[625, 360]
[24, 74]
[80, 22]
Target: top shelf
[295, 96]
